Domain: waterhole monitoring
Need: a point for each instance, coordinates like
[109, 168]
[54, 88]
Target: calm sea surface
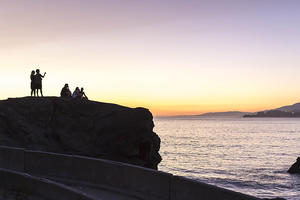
[245, 155]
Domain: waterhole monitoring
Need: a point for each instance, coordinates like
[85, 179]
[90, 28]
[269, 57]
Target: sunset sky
[172, 56]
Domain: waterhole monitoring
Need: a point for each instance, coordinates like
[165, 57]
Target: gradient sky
[171, 56]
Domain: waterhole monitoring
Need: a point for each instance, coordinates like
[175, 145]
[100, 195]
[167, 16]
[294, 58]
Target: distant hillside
[275, 113]
[229, 114]
[237, 114]
[284, 111]
[292, 108]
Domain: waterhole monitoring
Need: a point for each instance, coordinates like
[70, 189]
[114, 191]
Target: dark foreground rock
[295, 168]
[78, 127]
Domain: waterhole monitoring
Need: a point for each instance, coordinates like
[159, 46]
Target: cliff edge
[86, 128]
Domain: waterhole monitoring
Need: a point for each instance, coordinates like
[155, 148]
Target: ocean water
[241, 154]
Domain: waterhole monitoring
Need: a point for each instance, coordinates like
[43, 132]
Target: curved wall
[16, 183]
[142, 182]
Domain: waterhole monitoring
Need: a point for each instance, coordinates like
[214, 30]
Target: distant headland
[274, 113]
[291, 111]
[228, 114]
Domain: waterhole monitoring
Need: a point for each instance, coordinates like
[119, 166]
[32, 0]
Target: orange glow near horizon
[170, 109]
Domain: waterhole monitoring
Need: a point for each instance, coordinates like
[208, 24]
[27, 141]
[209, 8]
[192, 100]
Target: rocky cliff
[79, 127]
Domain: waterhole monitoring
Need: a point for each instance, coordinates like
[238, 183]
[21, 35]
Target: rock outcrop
[295, 168]
[87, 128]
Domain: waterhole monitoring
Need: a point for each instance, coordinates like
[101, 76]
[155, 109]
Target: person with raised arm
[38, 82]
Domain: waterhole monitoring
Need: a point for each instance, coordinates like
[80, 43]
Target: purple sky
[187, 54]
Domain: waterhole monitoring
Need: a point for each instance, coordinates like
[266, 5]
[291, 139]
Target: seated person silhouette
[76, 93]
[82, 95]
[65, 91]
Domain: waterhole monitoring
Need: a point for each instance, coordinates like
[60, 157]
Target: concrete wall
[187, 189]
[12, 158]
[37, 188]
[136, 180]
[147, 183]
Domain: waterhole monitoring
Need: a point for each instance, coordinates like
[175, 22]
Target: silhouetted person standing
[32, 84]
[65, 91]
[38, 82]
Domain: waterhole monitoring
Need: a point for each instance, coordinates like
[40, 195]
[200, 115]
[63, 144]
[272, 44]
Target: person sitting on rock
[82, 95]
[65, 91]
[32, 84]
[38, 82]
[76, 93]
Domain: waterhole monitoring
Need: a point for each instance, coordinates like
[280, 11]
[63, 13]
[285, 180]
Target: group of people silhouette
[36, 82]
[36, 86]
[77, 94]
